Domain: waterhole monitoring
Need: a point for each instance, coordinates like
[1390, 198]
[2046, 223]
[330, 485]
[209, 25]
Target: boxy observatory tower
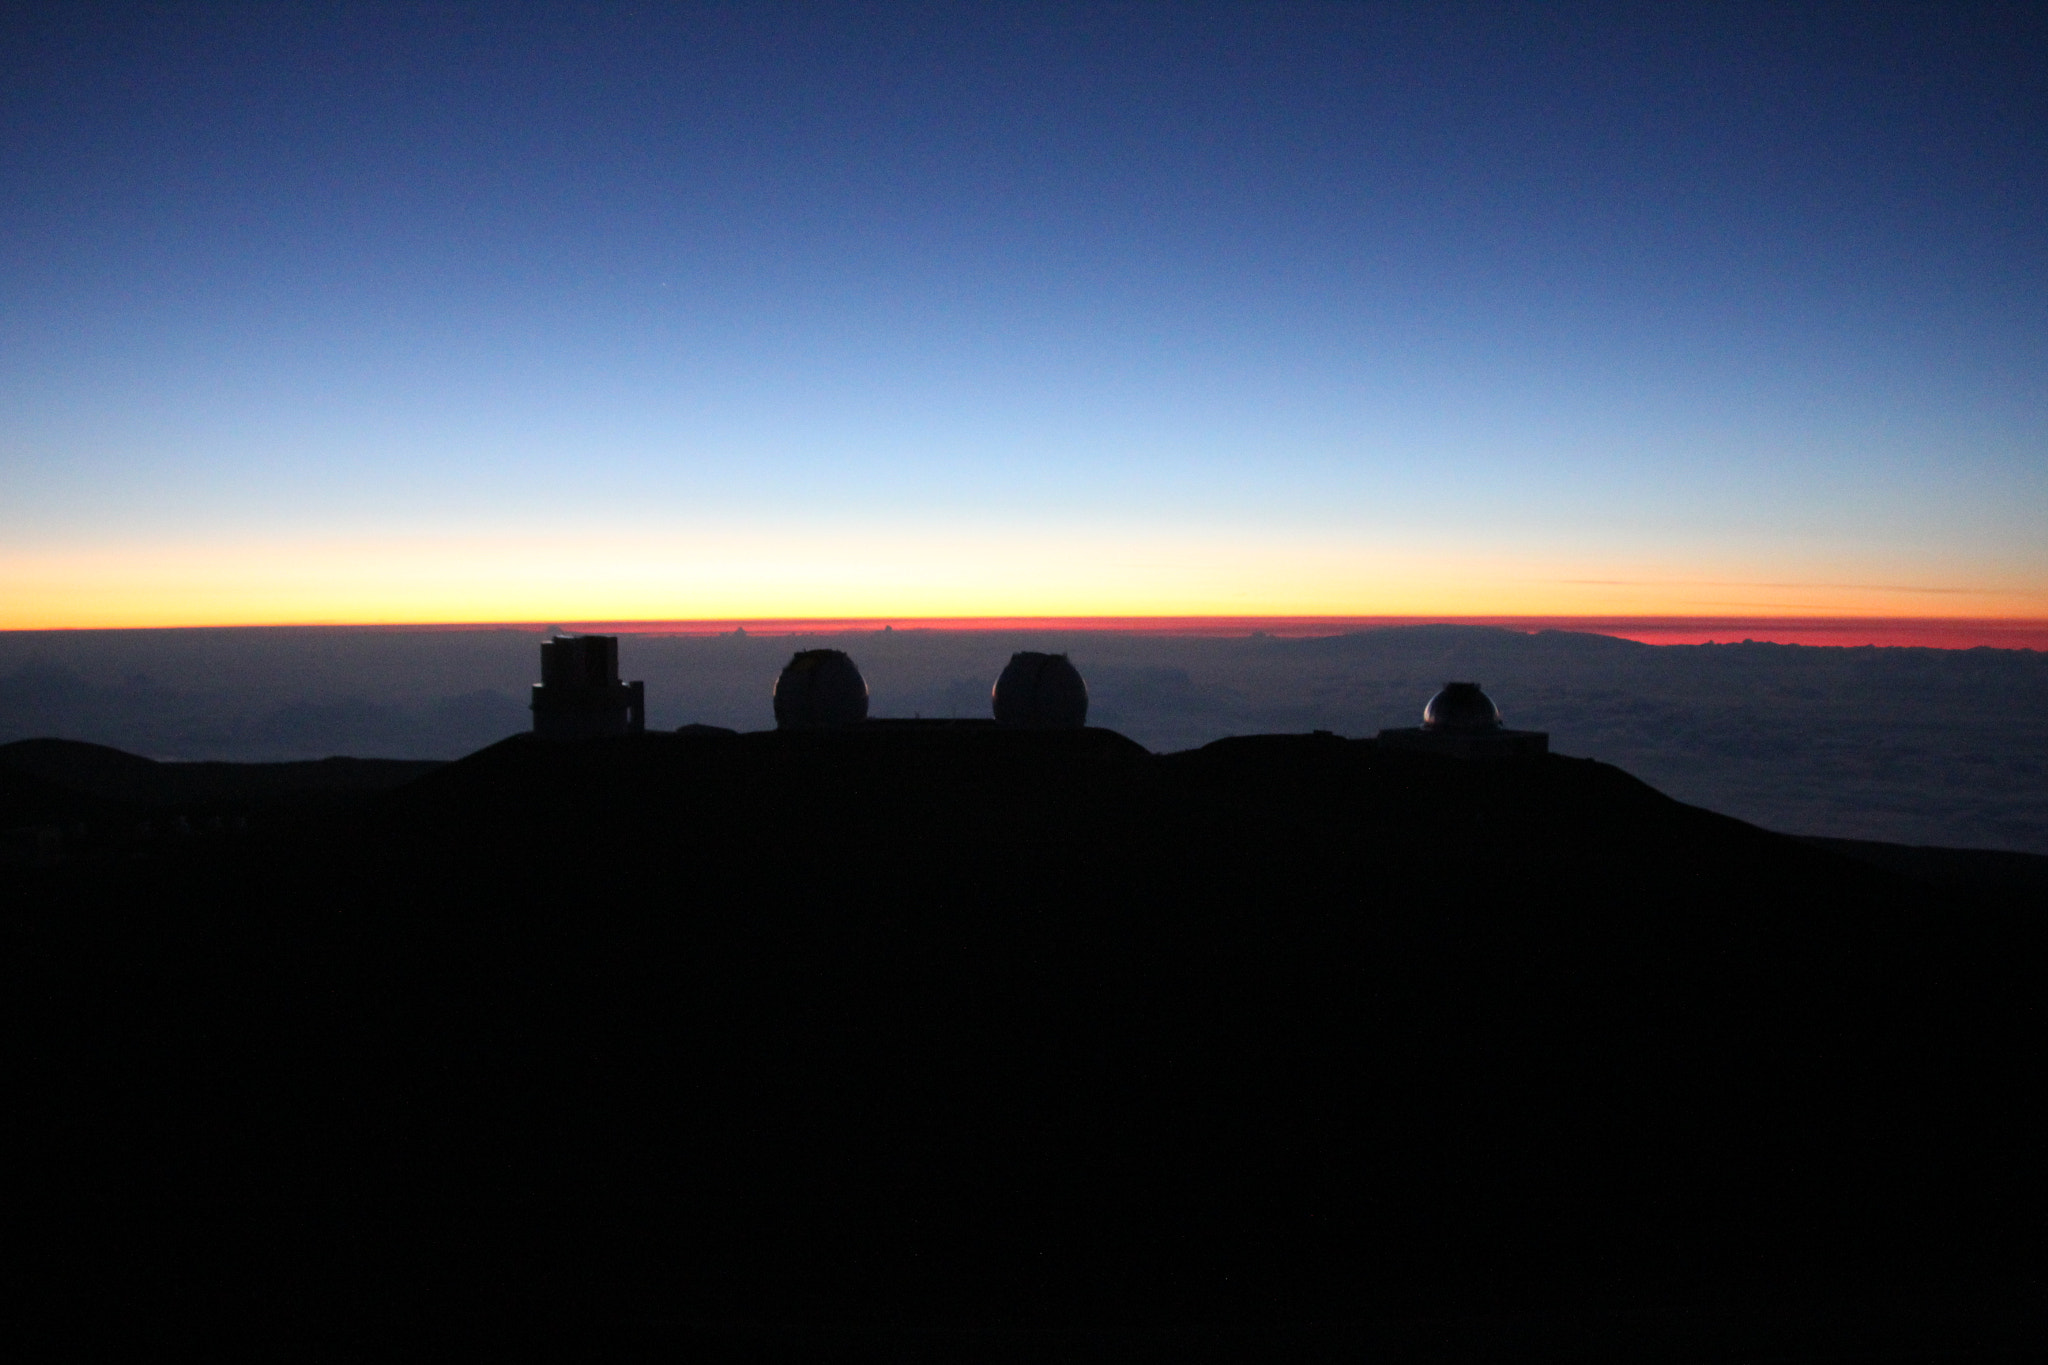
[579, 693]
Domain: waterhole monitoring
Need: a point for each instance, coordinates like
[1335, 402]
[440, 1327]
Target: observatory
[580, 694]
[820, 689]
[1040, 692]
[1461, 721]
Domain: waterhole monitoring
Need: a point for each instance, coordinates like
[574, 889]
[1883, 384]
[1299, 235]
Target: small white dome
[1461, 708]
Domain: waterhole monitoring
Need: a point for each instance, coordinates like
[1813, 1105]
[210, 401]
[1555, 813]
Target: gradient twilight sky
[396, 313]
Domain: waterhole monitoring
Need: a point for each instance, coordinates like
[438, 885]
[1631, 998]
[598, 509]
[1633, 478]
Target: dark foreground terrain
[943, 1040]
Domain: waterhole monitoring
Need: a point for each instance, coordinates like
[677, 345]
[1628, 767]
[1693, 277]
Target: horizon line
[1943, 632]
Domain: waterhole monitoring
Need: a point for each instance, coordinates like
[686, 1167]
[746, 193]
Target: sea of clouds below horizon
[1923, 746]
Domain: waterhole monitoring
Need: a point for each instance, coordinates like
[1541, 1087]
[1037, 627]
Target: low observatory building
[579, 693]
[1461, 721]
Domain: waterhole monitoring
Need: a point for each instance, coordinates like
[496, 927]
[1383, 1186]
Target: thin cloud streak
[1742, 583]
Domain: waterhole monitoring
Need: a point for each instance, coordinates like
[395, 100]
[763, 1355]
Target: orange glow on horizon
[1001, 578]
[1902, 632]
[1924, 632]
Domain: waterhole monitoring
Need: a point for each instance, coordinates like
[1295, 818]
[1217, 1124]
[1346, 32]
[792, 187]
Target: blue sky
[362, 312]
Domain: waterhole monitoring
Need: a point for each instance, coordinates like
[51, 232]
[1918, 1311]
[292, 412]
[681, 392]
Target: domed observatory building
[1040, 692]
[1462, 722]
[579, 693]
[820, 689]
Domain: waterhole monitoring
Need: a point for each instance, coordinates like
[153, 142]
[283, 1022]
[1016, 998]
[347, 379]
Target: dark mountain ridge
[943, 1033]
[112, 775]
[63, 797]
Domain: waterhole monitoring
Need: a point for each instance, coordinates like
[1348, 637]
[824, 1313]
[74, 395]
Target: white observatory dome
[821, 689]
[1041, 692]
[1461, 708]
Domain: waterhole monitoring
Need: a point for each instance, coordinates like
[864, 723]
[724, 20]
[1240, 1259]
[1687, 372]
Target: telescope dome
[821, 689]
[1461, 708]
[1041, 692]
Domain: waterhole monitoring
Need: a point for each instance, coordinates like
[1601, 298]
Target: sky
[458, 313]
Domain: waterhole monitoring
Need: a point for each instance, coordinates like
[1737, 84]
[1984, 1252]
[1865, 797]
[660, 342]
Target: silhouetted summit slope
[26, 799]
[918, 1029]
[107, 774]
[1972, 871]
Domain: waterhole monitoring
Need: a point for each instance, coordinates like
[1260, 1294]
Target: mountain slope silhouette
[880, 1035]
